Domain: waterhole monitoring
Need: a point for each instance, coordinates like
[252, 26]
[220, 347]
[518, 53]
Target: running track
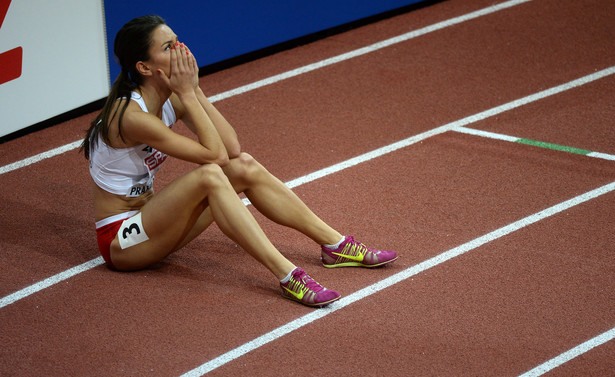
[476, 139]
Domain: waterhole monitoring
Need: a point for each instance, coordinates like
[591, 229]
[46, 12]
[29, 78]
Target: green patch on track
[556, 147]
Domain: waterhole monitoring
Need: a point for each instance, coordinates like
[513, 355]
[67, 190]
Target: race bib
[132, 232]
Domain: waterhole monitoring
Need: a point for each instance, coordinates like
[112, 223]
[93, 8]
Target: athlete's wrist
[186, 95]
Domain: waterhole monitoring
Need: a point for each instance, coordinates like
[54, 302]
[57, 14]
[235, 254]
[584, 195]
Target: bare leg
[170, 217]
[276, 201]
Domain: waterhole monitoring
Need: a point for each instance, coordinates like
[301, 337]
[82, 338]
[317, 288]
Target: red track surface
[500, 309]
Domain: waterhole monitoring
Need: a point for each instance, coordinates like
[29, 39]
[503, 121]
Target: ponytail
[131, 45]
[122, 88]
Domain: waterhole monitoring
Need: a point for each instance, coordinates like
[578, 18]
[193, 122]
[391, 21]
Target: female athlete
[132, 137]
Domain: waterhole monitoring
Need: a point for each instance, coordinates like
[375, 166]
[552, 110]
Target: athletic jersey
[129, 171]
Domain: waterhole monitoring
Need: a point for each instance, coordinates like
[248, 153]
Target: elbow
[220, 157]
[222, 160]
[233, 150]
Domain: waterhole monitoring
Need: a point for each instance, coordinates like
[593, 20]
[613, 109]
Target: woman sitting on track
[131, 138]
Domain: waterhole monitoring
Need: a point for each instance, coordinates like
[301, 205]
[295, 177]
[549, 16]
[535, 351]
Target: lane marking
[27, 291]
[295, 72]
[394, 279]
[377, 153]
[40, 157]
[296, 182]
[371, 48]
[602, 155]
[449, 127]
[557, 147]
[379, 286]
[535, 143]
[549, 365]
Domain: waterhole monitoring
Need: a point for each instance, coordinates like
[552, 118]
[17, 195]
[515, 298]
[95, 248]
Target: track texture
[500, 309]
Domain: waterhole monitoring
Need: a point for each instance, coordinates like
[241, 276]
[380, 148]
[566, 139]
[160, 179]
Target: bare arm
[145, 128]
[226, 131]
[150, 130]
[224, 128]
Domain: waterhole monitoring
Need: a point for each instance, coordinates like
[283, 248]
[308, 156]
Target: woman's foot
[302, 288]
[352, 253]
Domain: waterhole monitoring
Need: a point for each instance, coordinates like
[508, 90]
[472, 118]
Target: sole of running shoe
[318, 305]
[359, 264]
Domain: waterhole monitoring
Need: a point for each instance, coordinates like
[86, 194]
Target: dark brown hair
[131, 45]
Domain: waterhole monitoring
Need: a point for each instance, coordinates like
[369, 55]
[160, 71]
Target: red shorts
[105, 235]
[106, 230]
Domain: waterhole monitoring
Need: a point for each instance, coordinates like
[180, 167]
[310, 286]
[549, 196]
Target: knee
[211, 176]
[245, 167]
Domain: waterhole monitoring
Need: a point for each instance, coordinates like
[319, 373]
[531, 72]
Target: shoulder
[121, 109]
[138, 126]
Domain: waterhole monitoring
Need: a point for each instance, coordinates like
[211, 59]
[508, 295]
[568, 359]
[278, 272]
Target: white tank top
[129, 171]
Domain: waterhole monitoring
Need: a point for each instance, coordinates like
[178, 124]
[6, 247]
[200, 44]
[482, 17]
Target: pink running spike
[352, 253]
[302, 288]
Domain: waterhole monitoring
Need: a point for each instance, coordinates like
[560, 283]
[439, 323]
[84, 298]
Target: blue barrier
[217, 31]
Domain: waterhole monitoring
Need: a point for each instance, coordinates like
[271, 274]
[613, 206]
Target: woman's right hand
[183, 70]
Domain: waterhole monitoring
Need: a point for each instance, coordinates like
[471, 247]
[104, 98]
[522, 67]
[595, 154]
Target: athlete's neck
[154, 98]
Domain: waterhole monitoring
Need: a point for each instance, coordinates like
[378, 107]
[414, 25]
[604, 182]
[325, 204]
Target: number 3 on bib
[131, 232]
[128, 231]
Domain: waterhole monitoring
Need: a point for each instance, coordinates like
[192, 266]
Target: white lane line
[394, 279]
[400, 144]
[487, 134]
[604, 156]
[370, 48]
[549, 365]
[295, 72]
[299, 181]
[316, 175]
[450, 127]
[40, 157]
[25, 292]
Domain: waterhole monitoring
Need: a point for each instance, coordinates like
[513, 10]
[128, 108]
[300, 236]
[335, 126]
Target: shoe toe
[327, 295]
[389, 255]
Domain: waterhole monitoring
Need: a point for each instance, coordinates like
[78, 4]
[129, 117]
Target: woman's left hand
[195, 79]
[183, 75]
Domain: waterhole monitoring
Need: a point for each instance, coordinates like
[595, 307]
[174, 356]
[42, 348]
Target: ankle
[334, 246]
[285, 279]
